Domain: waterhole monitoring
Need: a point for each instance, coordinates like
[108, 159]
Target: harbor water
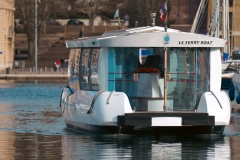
[32, 127]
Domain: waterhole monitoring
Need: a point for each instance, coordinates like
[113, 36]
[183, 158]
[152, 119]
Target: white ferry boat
[146, 81]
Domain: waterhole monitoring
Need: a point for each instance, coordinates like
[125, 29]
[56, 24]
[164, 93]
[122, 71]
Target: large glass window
[181, 71]
[84, 60]
[188, 71]
[138, 72]
[94, 69]
[89, 79]
[73, 68]
[202, 71]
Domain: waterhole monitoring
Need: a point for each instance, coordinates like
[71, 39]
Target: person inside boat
[153, 62]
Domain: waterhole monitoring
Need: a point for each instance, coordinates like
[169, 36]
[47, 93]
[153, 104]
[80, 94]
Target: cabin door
[181, 79]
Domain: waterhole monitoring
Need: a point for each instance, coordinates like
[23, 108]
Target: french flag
[163, 12]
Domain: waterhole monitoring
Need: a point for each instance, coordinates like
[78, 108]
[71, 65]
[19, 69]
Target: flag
[163, 12]
[116, 15]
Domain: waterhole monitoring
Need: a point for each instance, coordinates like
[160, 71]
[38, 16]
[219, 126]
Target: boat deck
[143, 118]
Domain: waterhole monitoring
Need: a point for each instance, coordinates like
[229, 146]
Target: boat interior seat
[153, 64]
[148, 70]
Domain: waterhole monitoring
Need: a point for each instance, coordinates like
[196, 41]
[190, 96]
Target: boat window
[139, 80]
[144, 53]
[73, 69]
[76, 63]
[71, 62]
[84, 69]
[188, 72]
[89, 60]
[142, 80]
[202, 70]
[94, 69]
[181, 72]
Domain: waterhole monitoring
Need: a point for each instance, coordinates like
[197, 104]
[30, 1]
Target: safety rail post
[165, 80]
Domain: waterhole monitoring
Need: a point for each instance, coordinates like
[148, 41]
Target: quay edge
[33, 76]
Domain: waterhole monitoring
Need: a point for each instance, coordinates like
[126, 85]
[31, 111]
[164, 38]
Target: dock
[27, 74]
[33, 76]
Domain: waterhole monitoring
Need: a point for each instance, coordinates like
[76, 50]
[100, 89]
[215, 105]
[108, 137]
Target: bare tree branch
[27, 16]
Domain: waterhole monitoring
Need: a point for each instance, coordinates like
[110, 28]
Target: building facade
[7, 34]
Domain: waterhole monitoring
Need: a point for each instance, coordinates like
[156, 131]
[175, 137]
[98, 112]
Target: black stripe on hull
[181, 130]
[97, 129]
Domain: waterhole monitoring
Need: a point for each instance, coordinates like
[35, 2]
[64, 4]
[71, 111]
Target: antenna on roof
[153, 15]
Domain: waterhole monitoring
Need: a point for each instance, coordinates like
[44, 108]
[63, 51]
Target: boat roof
[149, 36]
[231, 61]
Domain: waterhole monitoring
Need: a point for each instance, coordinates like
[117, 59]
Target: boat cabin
[158, 70]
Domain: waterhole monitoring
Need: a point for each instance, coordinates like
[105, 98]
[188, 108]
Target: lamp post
[136, 23]
[153, 15]
[36, 36]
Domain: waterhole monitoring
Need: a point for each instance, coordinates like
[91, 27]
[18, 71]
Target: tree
[26, 14]
[108, 8]
[139, 10]
[145, 8]
[91, 7]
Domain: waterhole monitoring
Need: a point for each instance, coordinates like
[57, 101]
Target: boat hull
[140, 130]
[111, 113]
[96, 129]
[183, 130]
[139, 123]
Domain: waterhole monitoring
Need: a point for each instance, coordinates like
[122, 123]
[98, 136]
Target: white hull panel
[216, 104]
[107, 107]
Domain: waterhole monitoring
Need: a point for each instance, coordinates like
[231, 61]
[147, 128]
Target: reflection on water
[29, 146]
[140, 147]
[32, 127]
[40, 146]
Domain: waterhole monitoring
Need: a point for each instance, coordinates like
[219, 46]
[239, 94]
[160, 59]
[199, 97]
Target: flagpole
[166, 18]
[119, 19]
[36, 37]
[165, 71]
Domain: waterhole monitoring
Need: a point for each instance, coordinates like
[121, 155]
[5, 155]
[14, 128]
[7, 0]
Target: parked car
[53, 22]
[20, 22]
[74, 22]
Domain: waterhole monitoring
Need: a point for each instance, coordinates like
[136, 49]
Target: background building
[6, 33]
[235, 27]
[182, 14]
